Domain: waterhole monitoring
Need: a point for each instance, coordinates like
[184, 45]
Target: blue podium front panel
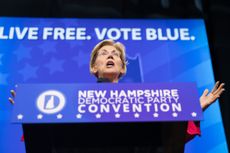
[109, 102]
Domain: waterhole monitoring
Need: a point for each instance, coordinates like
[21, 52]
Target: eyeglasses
[105, 53]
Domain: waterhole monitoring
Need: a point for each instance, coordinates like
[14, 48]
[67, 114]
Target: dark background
[216, 14]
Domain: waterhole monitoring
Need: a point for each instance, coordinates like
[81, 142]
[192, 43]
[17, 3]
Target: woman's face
[108, 63]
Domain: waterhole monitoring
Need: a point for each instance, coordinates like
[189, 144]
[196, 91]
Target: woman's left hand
[208, 98]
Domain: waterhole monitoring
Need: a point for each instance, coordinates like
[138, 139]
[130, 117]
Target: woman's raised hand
[207, 98]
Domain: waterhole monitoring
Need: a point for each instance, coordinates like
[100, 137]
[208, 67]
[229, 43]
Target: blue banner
[37, 50]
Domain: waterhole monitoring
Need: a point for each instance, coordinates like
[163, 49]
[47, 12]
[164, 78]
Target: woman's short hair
[119, 46]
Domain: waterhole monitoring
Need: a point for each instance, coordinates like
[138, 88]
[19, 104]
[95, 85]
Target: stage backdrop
[36, 50]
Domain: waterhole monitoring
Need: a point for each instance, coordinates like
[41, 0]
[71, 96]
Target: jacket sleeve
[193, 129]
[22, 138]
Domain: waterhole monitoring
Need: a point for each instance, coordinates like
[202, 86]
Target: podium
[105, 117]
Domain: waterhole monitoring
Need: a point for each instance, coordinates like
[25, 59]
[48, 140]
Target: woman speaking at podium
[108, 64]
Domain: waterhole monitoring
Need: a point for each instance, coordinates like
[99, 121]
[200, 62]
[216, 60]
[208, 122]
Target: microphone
[103, 80]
